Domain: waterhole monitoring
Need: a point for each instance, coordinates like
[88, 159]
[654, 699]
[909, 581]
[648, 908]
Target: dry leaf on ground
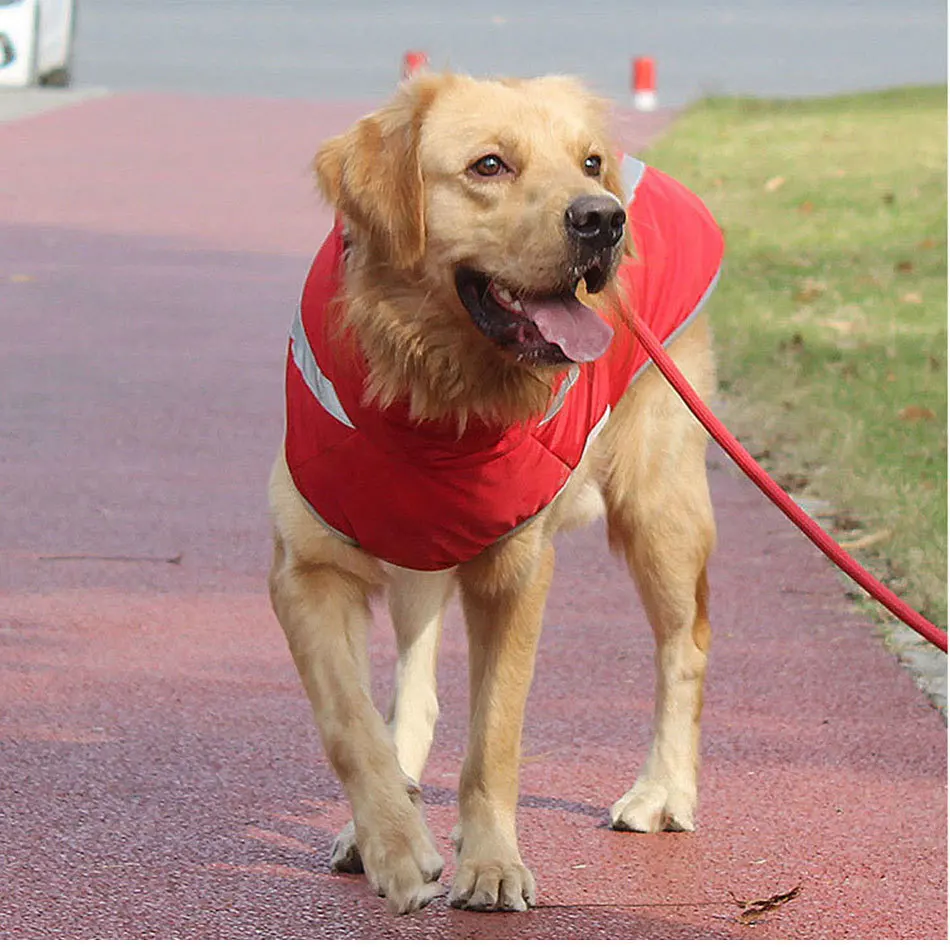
[754, 909]
[841, 325]
[809, 291]
[916, 413]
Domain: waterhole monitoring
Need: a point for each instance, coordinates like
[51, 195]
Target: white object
[644, 83]
[644, 100]
[36, 42]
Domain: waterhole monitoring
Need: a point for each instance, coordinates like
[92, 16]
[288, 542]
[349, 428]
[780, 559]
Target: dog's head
[499, 198]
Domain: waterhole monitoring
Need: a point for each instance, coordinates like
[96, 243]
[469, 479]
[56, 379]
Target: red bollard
[412, 62]
[644, 84]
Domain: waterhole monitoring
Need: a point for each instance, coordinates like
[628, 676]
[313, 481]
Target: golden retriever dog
[473, 284]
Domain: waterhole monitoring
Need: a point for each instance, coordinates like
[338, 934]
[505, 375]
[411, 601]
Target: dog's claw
[493, 887]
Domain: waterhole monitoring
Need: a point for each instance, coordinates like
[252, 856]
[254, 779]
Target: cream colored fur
[396, 178]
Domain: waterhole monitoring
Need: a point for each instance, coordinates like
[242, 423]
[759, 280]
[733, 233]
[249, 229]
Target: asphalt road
[160, 775]
[325, 49]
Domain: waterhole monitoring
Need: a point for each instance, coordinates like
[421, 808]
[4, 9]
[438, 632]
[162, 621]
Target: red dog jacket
[417, 494]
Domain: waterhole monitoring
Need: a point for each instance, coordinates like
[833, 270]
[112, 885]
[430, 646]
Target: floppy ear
[371, 174]
[613, 182]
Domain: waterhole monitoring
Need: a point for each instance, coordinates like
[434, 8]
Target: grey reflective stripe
[317, 382]
[596, 430]
[558, 403]
[671, 338]
[631, 169]
[337, 533]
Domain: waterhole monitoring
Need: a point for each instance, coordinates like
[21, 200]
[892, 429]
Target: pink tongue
[563, 320]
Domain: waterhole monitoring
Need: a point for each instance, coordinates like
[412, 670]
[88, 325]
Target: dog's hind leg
[660, 516]
[417, 606]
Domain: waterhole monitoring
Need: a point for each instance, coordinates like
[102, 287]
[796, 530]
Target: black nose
[595, 221]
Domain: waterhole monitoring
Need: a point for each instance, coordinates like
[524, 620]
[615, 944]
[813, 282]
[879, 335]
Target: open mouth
[542, 330]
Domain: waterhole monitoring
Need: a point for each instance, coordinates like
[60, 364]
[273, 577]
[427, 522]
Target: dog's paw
[493, 885]
[401, 863]
[651, 806]
[345, 855]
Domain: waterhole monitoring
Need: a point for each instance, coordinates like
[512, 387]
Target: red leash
[757, 475]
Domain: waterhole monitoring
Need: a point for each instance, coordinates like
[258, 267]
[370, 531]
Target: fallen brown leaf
[773, 184]
[795, 344]
[915, 298]
[809, 291]
[754, 909]
[792, 483]
[845, 326]
[916, 413]
[904, 266]
[806, 207]
[870, 539]
[927, 243]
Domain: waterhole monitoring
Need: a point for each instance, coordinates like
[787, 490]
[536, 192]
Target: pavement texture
[159, 771]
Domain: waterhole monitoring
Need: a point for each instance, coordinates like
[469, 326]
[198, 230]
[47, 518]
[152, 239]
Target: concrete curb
[24, 103]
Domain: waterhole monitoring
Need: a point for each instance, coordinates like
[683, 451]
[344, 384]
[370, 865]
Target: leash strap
[753, 470]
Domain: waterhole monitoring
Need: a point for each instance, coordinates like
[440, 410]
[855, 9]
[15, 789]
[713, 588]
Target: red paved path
[159, 773]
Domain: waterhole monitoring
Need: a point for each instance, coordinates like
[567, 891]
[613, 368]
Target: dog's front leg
[503, 598]
[417, 604]
[324, 612]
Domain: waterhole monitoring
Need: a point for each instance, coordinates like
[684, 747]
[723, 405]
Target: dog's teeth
[506, 298]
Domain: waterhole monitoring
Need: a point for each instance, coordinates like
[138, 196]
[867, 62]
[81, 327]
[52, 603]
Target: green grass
[831, 317]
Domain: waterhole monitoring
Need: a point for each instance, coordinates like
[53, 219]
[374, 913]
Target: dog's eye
[592, 165]
[489, 166]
